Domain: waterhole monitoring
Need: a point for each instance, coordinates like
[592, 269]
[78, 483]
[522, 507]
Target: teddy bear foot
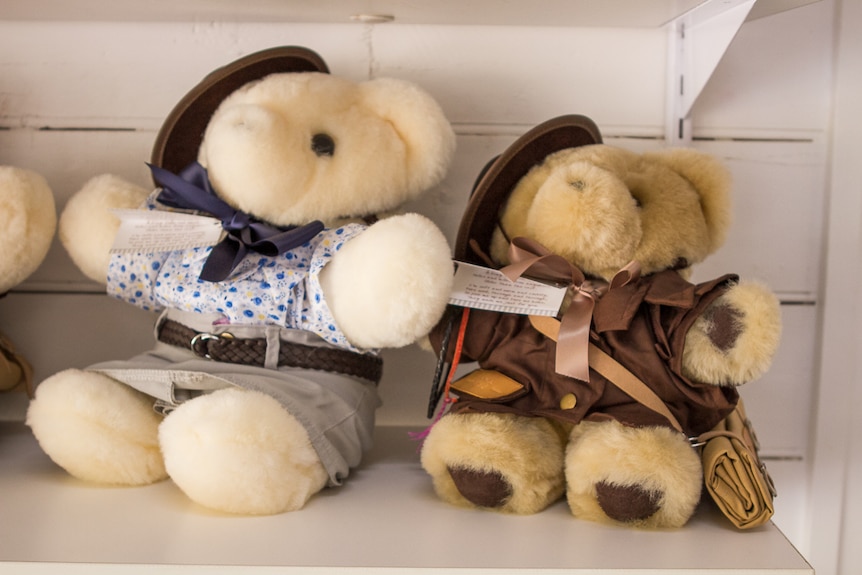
[612, 475]
[481, 488]
[97, 429]
[240, 452]
[494, 461]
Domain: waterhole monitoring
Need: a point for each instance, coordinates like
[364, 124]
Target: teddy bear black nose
[323, 145]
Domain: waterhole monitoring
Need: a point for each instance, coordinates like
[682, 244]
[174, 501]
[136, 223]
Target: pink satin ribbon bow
[533, 260]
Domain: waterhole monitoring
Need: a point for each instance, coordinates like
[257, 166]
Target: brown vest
[642, 325]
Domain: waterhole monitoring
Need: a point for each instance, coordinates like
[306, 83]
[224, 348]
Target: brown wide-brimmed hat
[502, 173]
[181, 134]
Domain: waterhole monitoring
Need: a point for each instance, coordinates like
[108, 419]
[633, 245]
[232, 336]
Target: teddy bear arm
[389, 286]
[28, 221]
[132, 277]
[87, 225]
[734, 340]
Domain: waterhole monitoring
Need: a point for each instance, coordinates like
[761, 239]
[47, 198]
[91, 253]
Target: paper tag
[485, 288]
[157, 231]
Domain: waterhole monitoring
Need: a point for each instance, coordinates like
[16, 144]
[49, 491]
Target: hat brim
[498, 178]
[181, 134]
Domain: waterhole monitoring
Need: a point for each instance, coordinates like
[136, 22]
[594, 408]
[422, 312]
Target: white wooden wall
[82, 98]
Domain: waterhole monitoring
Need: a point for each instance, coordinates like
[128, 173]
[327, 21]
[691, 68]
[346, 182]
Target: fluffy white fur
[527, 452]
[392, 142]
[97, 429]
[389, 286]
[656, 459]
[241, 452]
[751, 355]
[87, 226]
[28, 220]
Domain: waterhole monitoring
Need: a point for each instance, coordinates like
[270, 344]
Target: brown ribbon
[532, 259]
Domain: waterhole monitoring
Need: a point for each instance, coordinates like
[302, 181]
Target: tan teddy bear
[542, 416]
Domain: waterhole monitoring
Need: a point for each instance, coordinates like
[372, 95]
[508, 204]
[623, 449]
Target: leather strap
[613, 371]
[617, 374]
[226, 348]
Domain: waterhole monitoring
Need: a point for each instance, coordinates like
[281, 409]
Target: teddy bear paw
[494, 461]
[481, 488]
[87, 225]
[627, 503]
[240, 452]
[733, 342]
[389, 286]
[637, 476]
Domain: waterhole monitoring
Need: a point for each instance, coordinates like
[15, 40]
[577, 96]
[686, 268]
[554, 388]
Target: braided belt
[226, 348]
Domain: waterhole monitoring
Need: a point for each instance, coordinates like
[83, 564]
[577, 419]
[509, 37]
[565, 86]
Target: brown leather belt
[226, 348]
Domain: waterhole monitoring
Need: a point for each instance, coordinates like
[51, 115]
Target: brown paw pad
[725, 328]
[627, 503]
[482, 488]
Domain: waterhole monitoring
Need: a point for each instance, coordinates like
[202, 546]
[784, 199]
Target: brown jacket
[642, 325]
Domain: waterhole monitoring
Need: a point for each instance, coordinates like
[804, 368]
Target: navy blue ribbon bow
[191, 190]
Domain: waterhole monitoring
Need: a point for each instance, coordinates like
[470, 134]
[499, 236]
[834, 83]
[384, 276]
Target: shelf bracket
[697, 41]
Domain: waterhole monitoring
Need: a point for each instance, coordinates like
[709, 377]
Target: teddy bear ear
[181, 134]
[421, 124]
[711, 180]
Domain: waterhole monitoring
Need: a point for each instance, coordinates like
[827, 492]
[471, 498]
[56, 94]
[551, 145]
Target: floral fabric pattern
[283, 290]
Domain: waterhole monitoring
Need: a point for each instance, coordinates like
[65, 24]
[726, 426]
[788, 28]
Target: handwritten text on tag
[156, 231]
[484, 288]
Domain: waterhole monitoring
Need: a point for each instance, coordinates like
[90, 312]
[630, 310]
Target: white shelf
[385, 519]
[577, 13]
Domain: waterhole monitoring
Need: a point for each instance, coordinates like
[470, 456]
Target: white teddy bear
[265, 370]
[28, 221]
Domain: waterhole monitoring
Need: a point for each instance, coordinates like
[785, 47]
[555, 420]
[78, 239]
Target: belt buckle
[204, 336]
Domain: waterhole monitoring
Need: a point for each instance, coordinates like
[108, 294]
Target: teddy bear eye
[323, 145]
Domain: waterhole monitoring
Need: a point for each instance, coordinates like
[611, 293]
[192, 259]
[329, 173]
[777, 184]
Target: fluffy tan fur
[656, 459]
[751, 355]
[527, 452]
[601, 207]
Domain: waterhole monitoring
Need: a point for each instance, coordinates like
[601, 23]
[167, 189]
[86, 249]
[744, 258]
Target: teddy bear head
[286, 142]
[598, 206]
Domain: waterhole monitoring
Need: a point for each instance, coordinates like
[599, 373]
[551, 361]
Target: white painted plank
[778, 205]
[776, 77]
[523, 76]
[385, 519]
[131, 74]
[779, 404]
[642, 13]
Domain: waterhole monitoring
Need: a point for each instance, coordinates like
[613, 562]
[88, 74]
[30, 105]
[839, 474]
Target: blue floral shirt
[283, 290]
